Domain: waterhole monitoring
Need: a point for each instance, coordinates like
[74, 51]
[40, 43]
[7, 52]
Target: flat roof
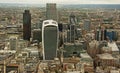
[73, 71]
[85, 55]
[114, 71]
[105, 56]
[113, 45]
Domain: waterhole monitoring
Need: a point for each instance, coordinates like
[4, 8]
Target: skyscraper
[72, 34]
[51, 11]
[72, 28]
[73, 19]
[50, 39]
[26, 25]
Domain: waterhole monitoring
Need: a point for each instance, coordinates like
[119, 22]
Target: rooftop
[85, 55]
[105, 56]
[114, 46]
[114, 71]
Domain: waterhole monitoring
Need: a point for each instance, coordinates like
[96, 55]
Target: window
[53, 22]
[46, 22]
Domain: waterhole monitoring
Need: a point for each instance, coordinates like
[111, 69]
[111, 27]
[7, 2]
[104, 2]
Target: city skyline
[59, 38]
[62, 1]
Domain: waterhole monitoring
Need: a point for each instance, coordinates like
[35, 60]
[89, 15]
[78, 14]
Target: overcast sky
[63, 1]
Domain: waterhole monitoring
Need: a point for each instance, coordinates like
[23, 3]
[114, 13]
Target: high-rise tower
[51, 11]
[72, 27]
[50, 39]
[26, 25]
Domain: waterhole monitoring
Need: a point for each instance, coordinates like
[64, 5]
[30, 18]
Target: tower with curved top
[50, 39]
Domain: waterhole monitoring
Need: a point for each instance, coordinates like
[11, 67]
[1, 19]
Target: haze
[63, 1]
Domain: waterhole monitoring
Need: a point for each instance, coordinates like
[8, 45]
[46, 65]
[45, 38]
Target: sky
[63, 1]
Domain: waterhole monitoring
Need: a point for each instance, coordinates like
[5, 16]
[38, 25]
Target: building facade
[51, 11]
[26, 25]
[87, 25]
[50, 39]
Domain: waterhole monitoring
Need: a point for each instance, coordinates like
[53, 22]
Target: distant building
[100, 35]
[26, 25]
[79, 32]
[13, 43]
[114, 48]
[73, 19]
[60, 26]
[12, 68]
[93, 49]
[71, 49]
[114, 71]
[37, 35]
[105, 60]
[72, 28]
[71, 34]
[50, 39]
[87, 62]
[51, 11]
[106, 34]
[87, 24]
[112, 35]
[106, 49]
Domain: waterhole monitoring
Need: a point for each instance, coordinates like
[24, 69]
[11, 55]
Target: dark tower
[26, 25]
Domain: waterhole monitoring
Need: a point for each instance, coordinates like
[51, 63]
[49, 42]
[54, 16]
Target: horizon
[57, 4]
[61, 1]
[106, 6]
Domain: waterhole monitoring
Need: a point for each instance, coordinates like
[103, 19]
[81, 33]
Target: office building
[12, 68]
[87, 25]
[106, 34]
[50, 39]
[60, 26]
[13, 43]
[72, 49]
[71, 33]
[26, 25]
[111, 35]
[51, 11]
[37, 35]
[98, 35]
[73, 19]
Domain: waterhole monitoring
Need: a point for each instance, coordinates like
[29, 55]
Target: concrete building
[106, 49]
[114, 48]
[105, 60]
[87, 62]
[86, 59]
[72, 49]
[93, 48]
